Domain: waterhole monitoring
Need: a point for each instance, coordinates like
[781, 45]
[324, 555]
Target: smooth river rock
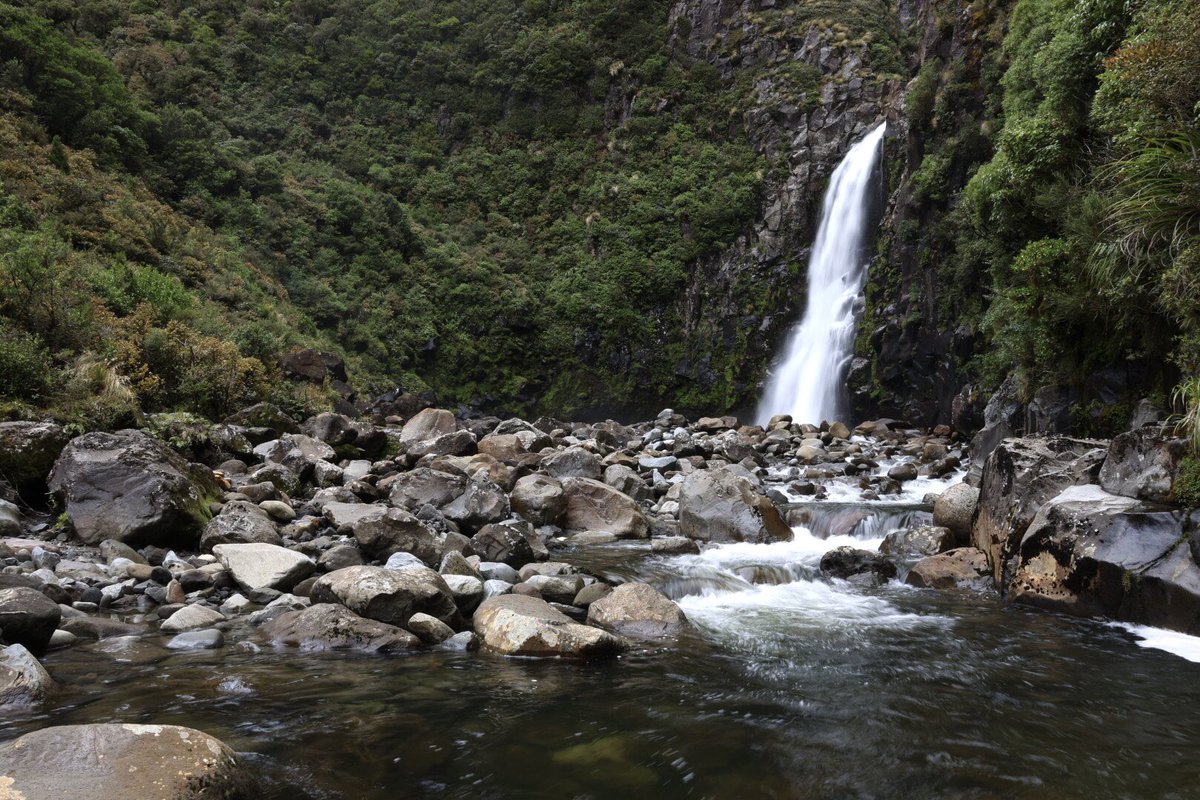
[23, 680]
[28, 617]
[516, 625]
[329, 626]
[390, 596]
[121, 762]
[638, 610]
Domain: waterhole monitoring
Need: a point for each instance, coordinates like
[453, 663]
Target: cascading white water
[808, 381]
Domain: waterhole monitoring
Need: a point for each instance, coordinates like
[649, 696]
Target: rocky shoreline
[433, 531]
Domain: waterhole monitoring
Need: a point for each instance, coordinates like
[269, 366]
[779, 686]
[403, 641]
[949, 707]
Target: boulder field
[391, 535]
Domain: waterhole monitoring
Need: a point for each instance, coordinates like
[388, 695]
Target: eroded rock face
[1091, 553]
[515, 625]
[28, 451]
[596, 506]
[638, 610]
[1143, 463]
[721, 505]
[387, 595]
[1018, 477]
[129, 487]
[330, 626]
[121, 761]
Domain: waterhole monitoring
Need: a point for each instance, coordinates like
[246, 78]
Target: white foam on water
[804, 548]
[1174, 642]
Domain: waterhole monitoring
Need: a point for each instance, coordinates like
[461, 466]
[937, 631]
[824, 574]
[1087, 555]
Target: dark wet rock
[1091, 553]
[903, 472]
[425, 486]
[1003, 418]
[482, 502]
[264, 566]
[638, 610]
[1143, 463]
[121, 761]
[87, 627]
[914, 544]
[1019, 476]
[331, 626]
[846, 562]
[23, 680]
[393, 530]
[129, 487]
[962, 568]
[723, 505]
[596, 506]
[265, 415]
[28, 617]
[28, 451]
[512, 542]
[240, 522]
[525, 626]
[387, 595]
[955, 509]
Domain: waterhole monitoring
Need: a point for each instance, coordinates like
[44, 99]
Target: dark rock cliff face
[914, 342]
[815, 86]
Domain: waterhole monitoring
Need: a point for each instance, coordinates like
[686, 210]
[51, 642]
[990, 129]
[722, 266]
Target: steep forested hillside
[552, 205]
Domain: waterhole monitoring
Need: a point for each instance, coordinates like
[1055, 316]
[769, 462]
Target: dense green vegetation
[1073, 247]
[498, 200]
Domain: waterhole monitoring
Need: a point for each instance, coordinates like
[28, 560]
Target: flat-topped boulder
[516, 625]
[264, 566]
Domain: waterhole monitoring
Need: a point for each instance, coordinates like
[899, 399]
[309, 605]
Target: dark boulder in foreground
[129, 487]
[28, 617]
[111, 761]
[846, 562]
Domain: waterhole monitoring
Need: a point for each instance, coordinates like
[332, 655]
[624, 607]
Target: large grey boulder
[264, 566]
[297, 452]
[23, 680]
[955, 509]
[425, 486]
[515, 625]
[240, 522]
[638, 610]
[539, 499]
[428, 424]
[1091, 553]
[28, 451]
[394, 530]
[913, 544]
[387, 595]
[121, 761]
[723, 505]
[129, 487]
[481, 503]
[329, 626]
[1018, 477]
[573, 462]
[28, 617]
[596, 506]
[1144, 463]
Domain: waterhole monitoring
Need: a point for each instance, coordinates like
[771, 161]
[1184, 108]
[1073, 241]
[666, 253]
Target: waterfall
[808, 380]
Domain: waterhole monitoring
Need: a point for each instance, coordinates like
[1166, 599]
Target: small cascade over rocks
[807, 383]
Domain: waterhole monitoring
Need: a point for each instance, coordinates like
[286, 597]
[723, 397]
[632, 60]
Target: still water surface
[789, 687]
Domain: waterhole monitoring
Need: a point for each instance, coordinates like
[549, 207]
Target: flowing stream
[788, 686]
[807, 383]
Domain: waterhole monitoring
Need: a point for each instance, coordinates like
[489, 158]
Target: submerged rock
[121, 761]
[329, 626]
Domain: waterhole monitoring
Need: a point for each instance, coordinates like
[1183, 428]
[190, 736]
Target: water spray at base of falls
[808, 382]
